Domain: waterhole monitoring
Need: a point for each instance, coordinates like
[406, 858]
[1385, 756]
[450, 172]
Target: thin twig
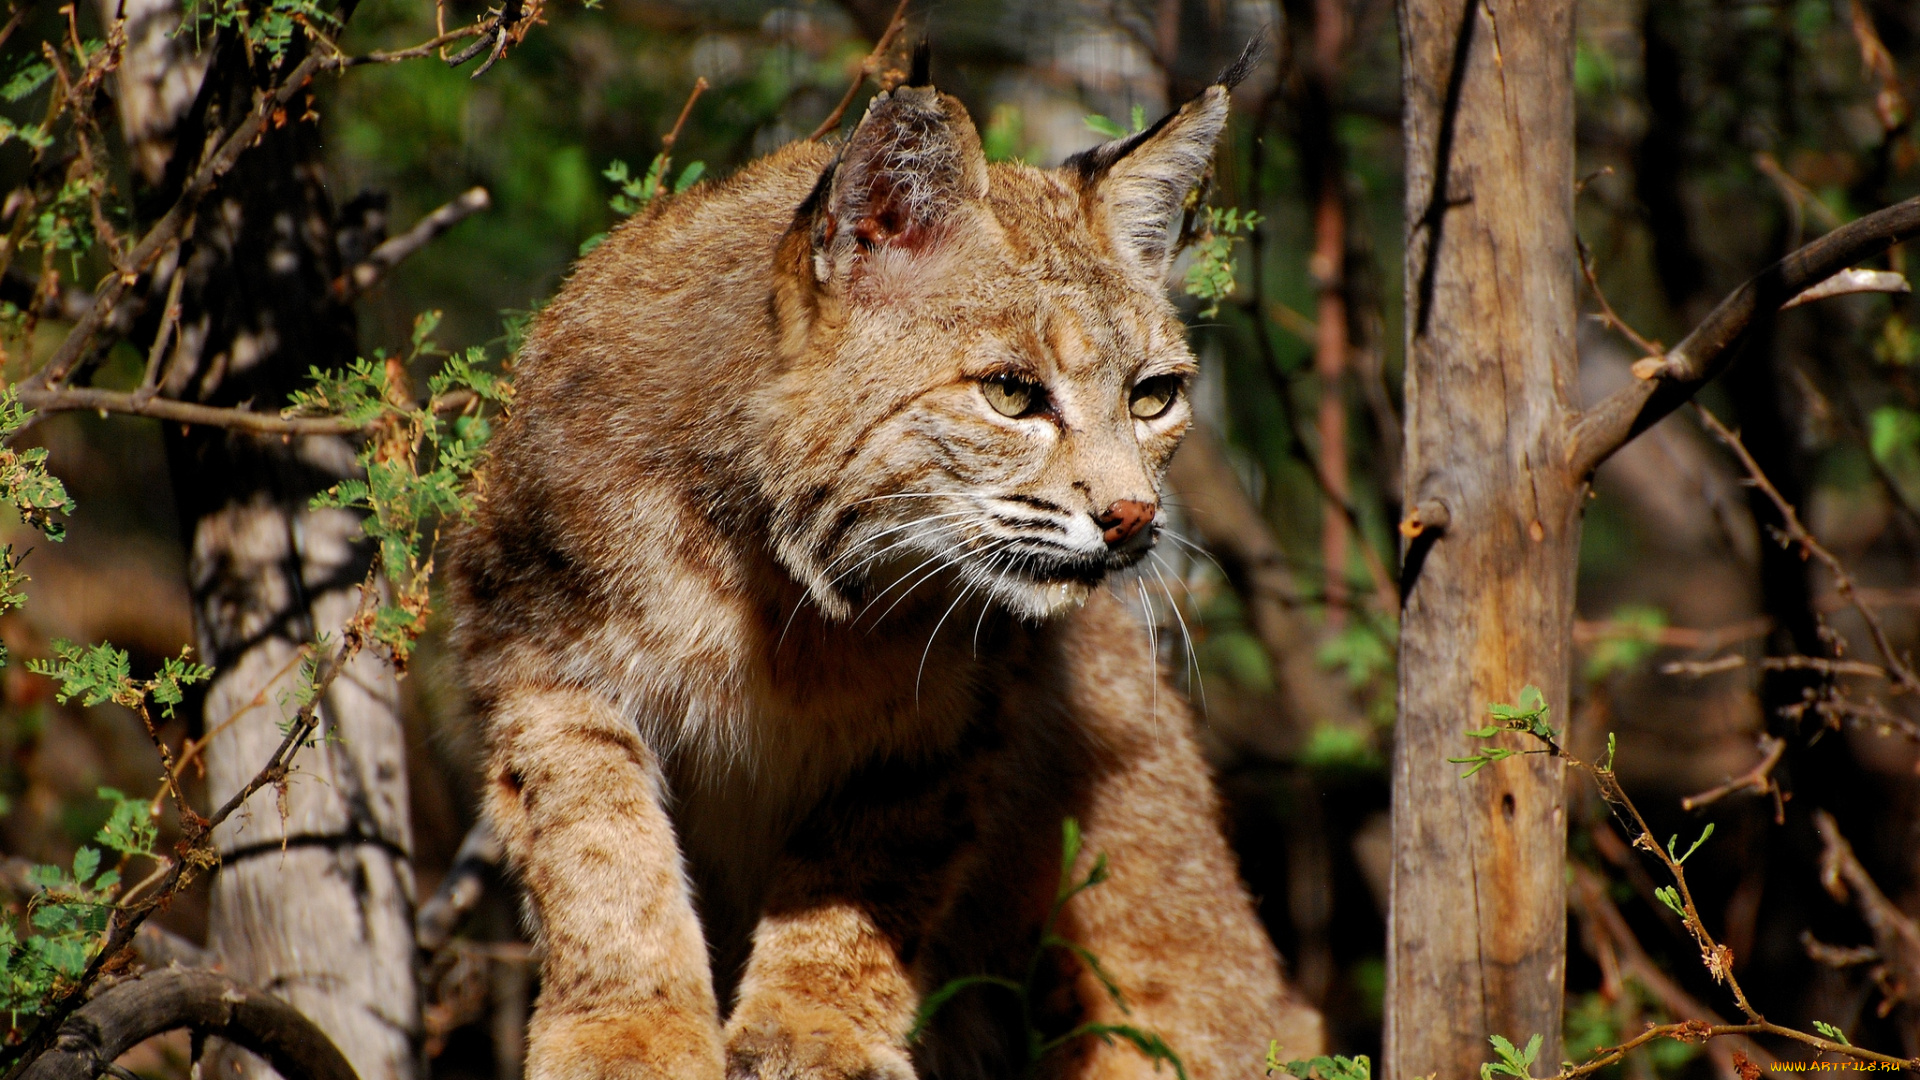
[1895, 935]
[341, 60]
[1759, 778]
[868, 65]
[1607, 315]
[365, 274]
[1717, 958]
[1705, 352]
[673, 134]
[1796, 533]
[169, 319]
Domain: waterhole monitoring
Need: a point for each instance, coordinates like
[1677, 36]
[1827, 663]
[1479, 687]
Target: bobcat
[784, 608]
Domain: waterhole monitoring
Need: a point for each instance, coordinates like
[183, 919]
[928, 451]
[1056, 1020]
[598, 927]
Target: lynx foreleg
[829, 993]
[626, 990]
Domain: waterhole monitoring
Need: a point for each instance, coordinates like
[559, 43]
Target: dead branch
[1849, 282]
[868, 66]
[363, 275]
[1837, 956]
[460, 891]
[1708, 350]
[1759, 778]
[1796, 533]
[205, 1002]
[1695, 669]
[167, 229]
[1895, 935]
[1870, 713]
[340, 60]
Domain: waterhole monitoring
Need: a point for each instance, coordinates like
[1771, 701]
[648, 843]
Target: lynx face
[985, 381]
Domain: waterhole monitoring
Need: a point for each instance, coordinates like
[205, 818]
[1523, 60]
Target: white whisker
[928, 651]
[1193, 657]
[1153, 655]
[928, 576]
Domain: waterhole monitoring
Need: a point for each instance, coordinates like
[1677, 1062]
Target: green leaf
[130, 828]
[690, 176]
[1831, 1032]
[1513, 1062]
[1104, 127]
[1671, 840]
[1670, 896]
[939, 998]
[30, 76]
[85, 862]
[1148, 1043]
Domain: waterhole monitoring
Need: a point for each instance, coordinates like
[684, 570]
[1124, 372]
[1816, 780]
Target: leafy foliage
[43, 953]
[1324, 1067]
[34, 493]
[269, 27]
[635, 194]
[417, 464]
[1632, 636]
[1512, 1062]
[102, 673]
[1528, 717]
[1211, 274]
[1146, 1042]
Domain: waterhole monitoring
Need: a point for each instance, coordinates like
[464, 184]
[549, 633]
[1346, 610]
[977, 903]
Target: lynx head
[982, 379]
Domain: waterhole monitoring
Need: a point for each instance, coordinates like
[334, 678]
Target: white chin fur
[1039, 602]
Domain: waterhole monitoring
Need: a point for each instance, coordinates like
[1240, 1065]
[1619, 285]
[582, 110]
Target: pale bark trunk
[1478, 923]
[314, 899]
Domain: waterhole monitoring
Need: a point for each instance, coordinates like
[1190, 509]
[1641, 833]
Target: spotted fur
[794, 650]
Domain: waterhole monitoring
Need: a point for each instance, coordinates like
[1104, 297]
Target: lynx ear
[1138, 184]
[913, 159]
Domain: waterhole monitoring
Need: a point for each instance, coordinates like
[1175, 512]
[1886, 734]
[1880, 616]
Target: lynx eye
[1153, 397]
[1013, 396]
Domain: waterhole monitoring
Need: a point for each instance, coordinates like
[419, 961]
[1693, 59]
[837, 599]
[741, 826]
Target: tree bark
[1477, 928]
[314, 898]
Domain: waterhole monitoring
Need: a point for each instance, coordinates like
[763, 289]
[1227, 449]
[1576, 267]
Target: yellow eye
[1153, 397]
[1011, 396]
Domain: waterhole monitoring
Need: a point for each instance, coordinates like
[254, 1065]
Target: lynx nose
[1124, 520]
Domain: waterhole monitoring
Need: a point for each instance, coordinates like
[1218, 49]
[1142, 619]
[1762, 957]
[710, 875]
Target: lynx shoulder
[788, 612]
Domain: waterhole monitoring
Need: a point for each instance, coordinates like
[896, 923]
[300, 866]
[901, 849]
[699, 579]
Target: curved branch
[159, 1001]
[1707, 351]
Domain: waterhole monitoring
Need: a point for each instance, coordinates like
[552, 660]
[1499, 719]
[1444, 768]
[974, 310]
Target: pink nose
[1124, 520]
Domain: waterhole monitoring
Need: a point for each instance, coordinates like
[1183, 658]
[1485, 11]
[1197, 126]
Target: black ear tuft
[921, 71]
[1238, 71]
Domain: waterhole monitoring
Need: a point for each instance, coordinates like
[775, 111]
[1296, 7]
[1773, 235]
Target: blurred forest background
[1714, 135]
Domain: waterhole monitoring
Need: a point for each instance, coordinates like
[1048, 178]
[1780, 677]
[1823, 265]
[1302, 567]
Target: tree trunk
[314, 898]
[1477, 930]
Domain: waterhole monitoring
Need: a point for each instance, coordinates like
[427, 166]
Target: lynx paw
[623, 1048]
[807, 1043]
